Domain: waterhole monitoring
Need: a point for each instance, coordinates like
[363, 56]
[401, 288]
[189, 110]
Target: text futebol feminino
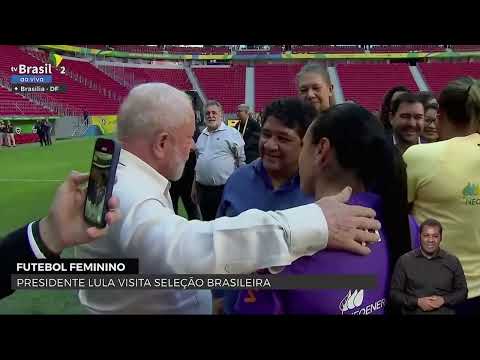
[71, 267]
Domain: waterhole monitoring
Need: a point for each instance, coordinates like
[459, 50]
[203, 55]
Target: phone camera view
[97, 188]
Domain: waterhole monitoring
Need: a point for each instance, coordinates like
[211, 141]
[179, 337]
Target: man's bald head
[244, 107]
[151, 107]
[243, 112]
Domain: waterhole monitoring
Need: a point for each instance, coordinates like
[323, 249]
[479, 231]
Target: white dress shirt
[219, 153]
[166, 243]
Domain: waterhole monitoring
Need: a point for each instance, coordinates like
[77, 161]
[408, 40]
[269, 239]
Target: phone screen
[97, 186]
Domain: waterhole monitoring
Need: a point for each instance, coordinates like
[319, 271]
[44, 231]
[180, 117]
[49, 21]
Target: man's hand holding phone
[65, 225]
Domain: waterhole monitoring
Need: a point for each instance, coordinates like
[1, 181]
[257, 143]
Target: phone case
[116, 148]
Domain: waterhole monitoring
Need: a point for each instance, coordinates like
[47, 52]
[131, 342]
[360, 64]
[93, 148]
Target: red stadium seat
[138, 75]
[273, 81]
[437, 75]
[225, 84]
[367, 84]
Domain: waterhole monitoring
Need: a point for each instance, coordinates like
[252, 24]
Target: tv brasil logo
[25, 74]
[471, 194]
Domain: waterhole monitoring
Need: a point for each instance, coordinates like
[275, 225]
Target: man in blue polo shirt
[272, 181]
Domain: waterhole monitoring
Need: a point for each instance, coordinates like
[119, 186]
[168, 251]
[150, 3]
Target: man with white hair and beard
[155, 128]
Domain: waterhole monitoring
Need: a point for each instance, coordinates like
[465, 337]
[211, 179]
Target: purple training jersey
[328, 262]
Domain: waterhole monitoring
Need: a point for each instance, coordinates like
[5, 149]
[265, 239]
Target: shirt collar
[220, 128]
[130, 160]
[262, 172]
[418, 253]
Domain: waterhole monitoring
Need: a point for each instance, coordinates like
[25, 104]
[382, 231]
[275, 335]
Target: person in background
[315, 87]
[10, 134]
[40, 132]
[386, 108]
[2, 133]
[427, 98]
[407, 119]
[346, 146]
[428, 280]
[272, 181]
[86, 117]
[250, 131]
[182, 189]
[444, 180]
[430, 104]
[430, 133]
[47, 129]
[220, 150]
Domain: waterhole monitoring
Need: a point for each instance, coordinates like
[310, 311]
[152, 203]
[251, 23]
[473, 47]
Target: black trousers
[183, 190]
[43, 140]
[209, 198]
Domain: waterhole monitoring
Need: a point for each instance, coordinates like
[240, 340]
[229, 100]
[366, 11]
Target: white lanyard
[245, 128]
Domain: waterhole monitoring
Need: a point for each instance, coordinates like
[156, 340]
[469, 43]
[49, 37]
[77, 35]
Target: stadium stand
[79, 95]
[406, 48]
[92, 73]
[99, 92]
[252, 52]
[275, 50]
[198, 50]
[138, 75]
[437, 75]
[98, 47]
[326, 49]
[138, 49]
[273, 81]
[223, 83]
[12, 103]
[143, 49]
[460, 48]
[366, 84]
[15, 104]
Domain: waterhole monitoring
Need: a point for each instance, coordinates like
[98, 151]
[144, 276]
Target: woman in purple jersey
[345, 145]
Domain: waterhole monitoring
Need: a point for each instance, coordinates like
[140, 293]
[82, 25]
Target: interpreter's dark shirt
[416, 276]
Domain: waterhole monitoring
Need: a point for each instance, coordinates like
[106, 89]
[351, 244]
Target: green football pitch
[29, 176]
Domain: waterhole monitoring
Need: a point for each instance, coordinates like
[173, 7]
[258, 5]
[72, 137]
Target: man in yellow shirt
[444, 180]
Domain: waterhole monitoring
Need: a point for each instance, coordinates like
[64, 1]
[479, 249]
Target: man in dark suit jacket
[40, 132]
[182, 188]
[250, 131]
[63, 227]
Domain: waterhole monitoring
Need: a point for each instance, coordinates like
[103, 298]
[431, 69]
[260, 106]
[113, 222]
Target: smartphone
[102, 178]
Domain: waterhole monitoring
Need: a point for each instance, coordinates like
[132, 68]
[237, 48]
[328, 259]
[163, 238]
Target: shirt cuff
[33, 244]
[307, 229]
[411, 302]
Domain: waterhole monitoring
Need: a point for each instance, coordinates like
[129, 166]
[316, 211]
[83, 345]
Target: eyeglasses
[408, 116]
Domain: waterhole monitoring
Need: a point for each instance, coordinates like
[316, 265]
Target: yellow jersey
[444, 184]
